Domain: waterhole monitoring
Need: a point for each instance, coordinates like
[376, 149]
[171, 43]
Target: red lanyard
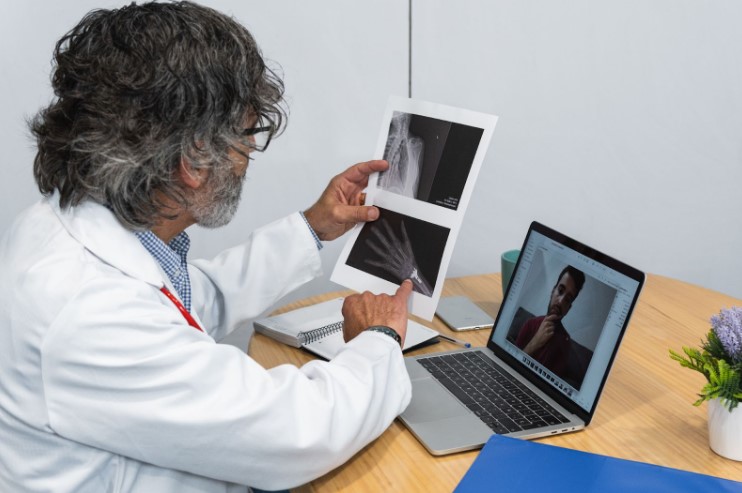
[189, 318]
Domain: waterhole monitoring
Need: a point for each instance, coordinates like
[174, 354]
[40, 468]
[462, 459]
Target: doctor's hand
[340, 206]
[364, 310]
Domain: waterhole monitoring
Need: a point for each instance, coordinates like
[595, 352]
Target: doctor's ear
[190, 176]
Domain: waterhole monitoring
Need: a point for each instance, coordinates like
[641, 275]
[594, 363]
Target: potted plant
[720, 361]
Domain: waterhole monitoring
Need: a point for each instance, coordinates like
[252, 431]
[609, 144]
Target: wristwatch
[388, 331]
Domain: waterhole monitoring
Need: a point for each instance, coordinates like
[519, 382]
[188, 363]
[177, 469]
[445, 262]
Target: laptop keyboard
[490, 392]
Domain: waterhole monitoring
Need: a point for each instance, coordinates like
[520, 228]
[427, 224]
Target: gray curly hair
[140, 88]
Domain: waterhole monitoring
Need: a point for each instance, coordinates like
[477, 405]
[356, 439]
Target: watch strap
[386, 330]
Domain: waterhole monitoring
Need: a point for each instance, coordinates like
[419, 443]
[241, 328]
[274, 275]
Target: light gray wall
[620, 124]
[620, 121]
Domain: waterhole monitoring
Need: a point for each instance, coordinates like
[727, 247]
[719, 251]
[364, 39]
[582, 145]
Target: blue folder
[513, 465]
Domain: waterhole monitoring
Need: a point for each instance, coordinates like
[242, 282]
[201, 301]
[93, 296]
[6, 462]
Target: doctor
[111, 376]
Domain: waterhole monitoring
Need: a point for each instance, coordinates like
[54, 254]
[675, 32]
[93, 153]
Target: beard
[217, 203]
[555, 310]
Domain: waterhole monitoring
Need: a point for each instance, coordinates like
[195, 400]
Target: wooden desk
[645, 413]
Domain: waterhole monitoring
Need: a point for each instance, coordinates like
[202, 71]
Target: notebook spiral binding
[320, 333]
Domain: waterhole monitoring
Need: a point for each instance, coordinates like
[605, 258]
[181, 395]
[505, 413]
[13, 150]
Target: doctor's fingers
[358, 173]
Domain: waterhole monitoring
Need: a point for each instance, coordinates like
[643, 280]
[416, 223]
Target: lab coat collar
[95, 226]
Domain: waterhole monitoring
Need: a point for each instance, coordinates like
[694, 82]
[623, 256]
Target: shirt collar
[171, 256]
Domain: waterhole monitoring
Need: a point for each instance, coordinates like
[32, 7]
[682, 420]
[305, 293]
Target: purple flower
[728, 328]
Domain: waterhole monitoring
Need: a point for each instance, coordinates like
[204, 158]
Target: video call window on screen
[576, 303]
[566, 357]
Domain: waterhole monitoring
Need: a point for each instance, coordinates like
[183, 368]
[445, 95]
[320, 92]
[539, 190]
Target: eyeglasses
[258, 137]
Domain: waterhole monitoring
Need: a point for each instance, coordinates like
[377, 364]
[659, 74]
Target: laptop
[547, 358]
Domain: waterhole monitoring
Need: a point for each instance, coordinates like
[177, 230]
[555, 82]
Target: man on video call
[544, 338]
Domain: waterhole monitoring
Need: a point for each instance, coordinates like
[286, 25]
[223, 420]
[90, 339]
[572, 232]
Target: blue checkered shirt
[172, 258]
[311, 230]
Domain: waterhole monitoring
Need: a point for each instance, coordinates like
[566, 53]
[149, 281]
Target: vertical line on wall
[409, 49]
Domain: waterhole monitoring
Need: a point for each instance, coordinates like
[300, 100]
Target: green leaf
[724, 380]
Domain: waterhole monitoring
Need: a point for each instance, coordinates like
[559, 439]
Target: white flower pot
[725, 430]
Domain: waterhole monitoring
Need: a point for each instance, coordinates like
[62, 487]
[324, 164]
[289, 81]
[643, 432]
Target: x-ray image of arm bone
[399, 259]
[404, 152]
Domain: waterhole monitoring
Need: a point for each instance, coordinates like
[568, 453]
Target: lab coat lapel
[100, 232]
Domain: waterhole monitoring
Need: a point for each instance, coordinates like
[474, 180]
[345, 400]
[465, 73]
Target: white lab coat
[105, 388]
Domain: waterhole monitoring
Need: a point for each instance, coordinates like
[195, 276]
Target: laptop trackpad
[432, 402]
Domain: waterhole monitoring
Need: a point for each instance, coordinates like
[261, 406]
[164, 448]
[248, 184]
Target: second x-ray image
[429, 159]
[396, 247]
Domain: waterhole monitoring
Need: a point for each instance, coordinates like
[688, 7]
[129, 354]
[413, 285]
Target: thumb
[358, 213]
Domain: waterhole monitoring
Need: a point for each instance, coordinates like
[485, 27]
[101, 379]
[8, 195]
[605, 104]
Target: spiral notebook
[319, 329]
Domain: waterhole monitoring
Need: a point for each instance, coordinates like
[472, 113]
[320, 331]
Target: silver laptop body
[458, 410]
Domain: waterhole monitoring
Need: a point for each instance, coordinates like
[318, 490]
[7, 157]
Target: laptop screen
[564, 315]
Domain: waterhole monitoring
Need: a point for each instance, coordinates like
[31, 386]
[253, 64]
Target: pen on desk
[455, 341]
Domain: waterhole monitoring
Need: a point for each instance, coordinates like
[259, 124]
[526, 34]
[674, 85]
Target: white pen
[455, 341]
